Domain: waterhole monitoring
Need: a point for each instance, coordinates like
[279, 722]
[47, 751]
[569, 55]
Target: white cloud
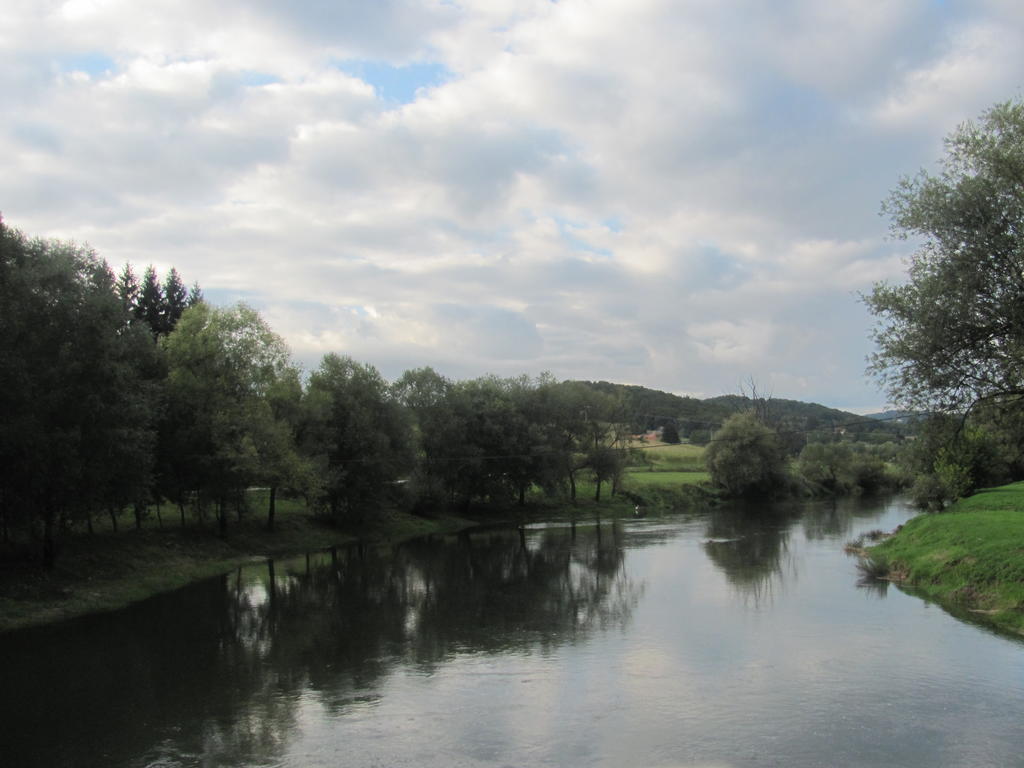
[665, 194]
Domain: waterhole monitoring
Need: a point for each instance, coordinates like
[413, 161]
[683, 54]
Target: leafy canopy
[953, 335]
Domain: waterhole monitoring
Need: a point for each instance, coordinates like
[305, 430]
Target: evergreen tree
[175, 300]
[128, 290]
[150, 307]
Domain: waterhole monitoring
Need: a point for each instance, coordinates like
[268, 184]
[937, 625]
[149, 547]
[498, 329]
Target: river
[735, 638]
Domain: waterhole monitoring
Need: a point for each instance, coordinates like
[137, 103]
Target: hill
[695, 418]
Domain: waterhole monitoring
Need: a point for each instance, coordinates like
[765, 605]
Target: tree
[76, 431]
[670, 433]
[223, 365]
[150, 306]
[953, 336]
[357, 436]
[440, 429]
[128, 289]
[175, 300]
[745, 458]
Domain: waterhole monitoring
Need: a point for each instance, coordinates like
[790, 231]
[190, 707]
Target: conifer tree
[150, 307]
[175, 300]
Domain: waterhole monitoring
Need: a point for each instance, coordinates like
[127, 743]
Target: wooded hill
[695, 418]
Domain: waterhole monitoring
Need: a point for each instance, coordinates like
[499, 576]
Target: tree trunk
[88, 524]
[113, 518]
[138, 517]
[222, 518]
[159, 517]
[522, 495]
[572, 487]
[271, 508]
[597, 492]
[181, 510]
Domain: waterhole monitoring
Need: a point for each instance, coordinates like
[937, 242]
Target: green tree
[223, 365]
[275, 432]
[128, 289]
[440, 434]
[175, 297]
[357, 436]
[150, 306]
[670, 433]
[745, 458]
[953, 335]
[77, 427]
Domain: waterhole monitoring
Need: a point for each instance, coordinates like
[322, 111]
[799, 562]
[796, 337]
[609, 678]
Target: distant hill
[651, 408]
[904, 416]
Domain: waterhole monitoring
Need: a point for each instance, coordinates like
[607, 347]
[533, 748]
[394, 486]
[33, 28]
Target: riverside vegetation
[143, 406]
[970, 557]
[126, 398]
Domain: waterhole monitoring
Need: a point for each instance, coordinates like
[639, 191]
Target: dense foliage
[118, 395]
[746, 458]
[953, 334]
[950, 341]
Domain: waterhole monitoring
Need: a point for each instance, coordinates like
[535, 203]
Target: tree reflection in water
[216, 674]
[750, 544]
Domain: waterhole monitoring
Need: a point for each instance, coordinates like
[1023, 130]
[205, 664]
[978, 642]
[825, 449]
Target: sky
[681, 194]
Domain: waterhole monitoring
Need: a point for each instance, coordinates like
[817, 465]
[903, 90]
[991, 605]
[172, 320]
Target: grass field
[970, 556]
[673, 458]
[644, 479]
[666, 466]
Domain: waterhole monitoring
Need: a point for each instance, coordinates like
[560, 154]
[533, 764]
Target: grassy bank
[970, 557]
[109, 570]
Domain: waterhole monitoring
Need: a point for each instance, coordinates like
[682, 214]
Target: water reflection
[750, 545]
[219, 670]
[498, 647]
[835, 518]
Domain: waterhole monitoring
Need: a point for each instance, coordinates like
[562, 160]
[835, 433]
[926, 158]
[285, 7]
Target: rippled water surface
[734, 638]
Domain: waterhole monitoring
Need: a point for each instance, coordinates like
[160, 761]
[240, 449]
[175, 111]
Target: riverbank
[110, 570]
[970, 556]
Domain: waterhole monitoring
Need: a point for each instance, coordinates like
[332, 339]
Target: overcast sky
[679, 194]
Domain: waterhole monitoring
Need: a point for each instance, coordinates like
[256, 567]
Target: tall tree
[195, 295]
[223, 364]
[150, 306]
[440, 429]
[357, 436]
[76, 432]
[953, 335]
[175, 299]
[128, 289]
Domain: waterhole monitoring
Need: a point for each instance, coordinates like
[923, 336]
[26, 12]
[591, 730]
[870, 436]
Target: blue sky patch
[568, 235]
[255, 79]
[92, 64]
[397, 84]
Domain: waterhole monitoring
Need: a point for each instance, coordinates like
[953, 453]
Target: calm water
[739, 638]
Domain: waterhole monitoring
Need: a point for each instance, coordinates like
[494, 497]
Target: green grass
[665, 479]
[971, 556]
[674, 458]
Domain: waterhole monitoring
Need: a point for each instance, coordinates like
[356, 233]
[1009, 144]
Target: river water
[734, 638]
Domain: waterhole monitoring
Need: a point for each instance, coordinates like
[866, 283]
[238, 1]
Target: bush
[745, 458]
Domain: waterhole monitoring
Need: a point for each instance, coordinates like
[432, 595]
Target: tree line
[121, 396]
